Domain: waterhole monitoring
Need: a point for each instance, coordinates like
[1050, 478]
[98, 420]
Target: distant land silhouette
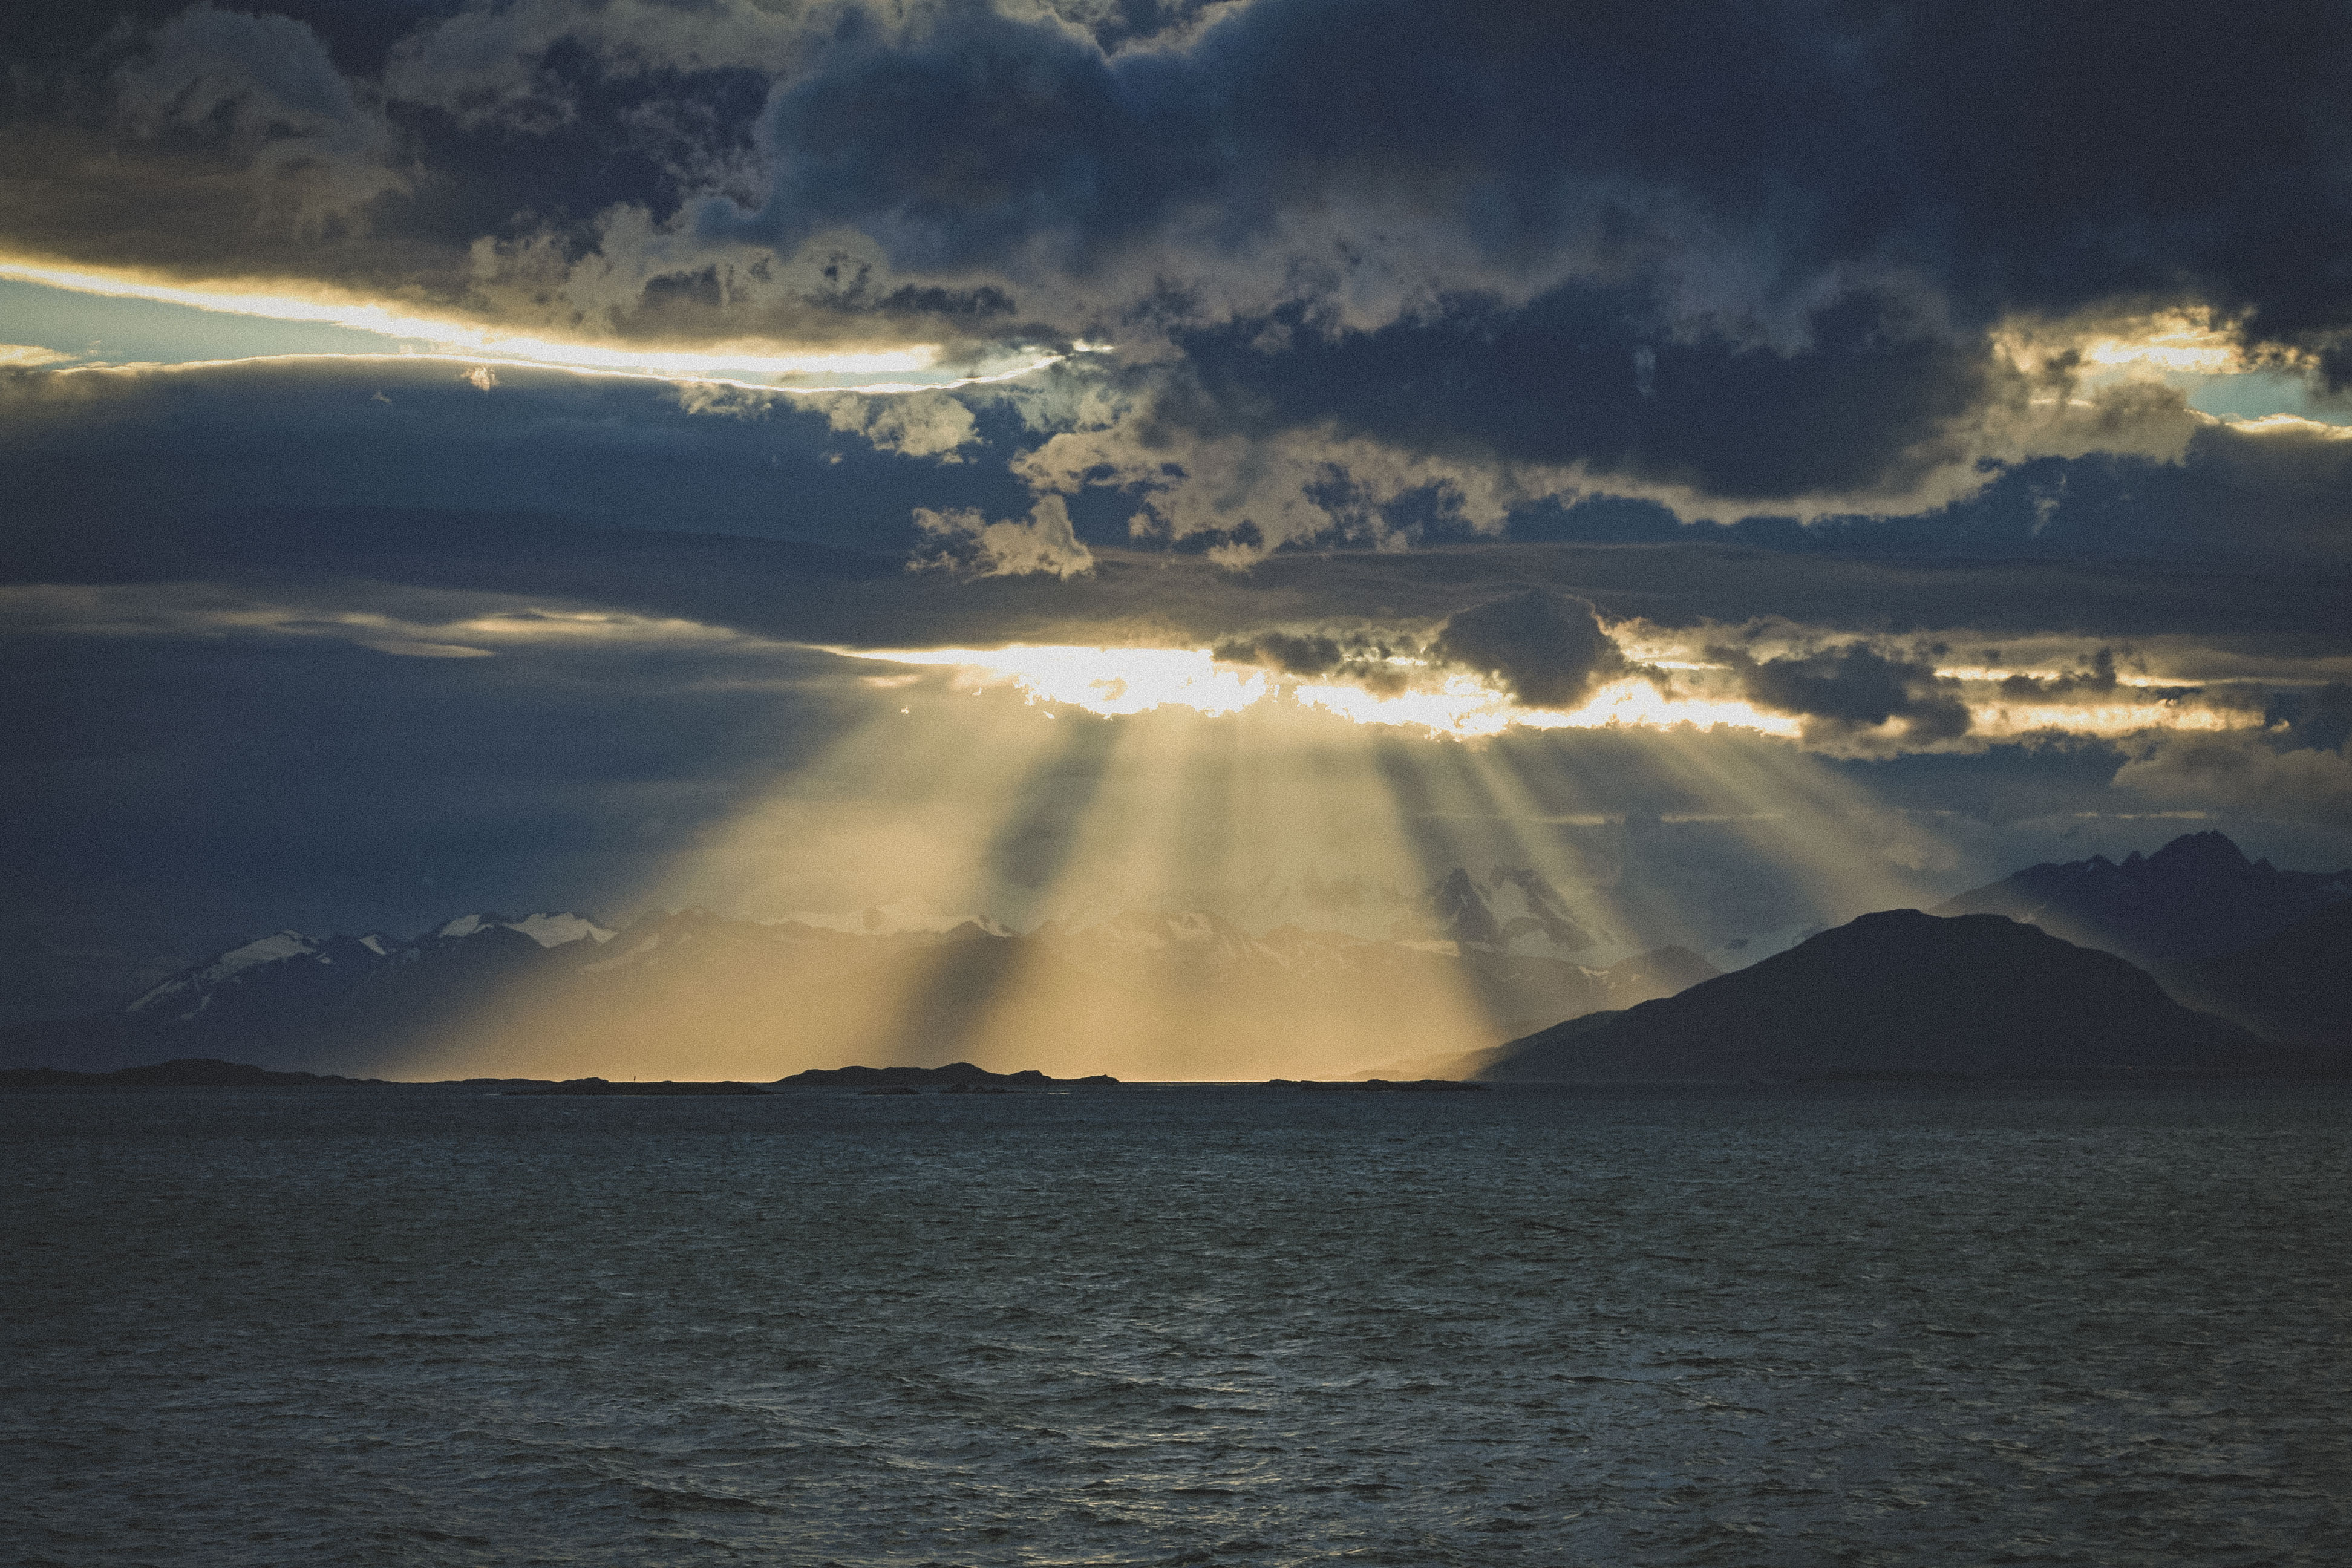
[552, 995]
[1903, 995]
[1177, 995]
[2293, 987]
[2196, 897]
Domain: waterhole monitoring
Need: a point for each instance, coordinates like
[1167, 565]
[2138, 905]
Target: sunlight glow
[1105, 680]
[2289, 424]
[1113, 682]
[2106, 720]
[1995, 673]
[1136, 680]
[669, 364]
[2178, 345]
[1465, 707]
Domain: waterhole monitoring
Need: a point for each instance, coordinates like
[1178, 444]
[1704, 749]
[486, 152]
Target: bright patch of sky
[2258, 395]
[94, 319]
[99, 329]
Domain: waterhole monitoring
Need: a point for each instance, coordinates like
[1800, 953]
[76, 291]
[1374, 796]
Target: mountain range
[1145, 993]
[1477, 980]
[2198, 897]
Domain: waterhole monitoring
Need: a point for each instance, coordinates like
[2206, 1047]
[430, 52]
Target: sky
[1752, 463]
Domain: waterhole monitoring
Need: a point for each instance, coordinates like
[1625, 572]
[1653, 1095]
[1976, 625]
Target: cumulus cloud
[1288, 652]
[2250, 773]
[1356, 658]
[1845, 692]
[921, 424]
[264, 91]
[1546, 648]
[963, 541]
[2096, 677]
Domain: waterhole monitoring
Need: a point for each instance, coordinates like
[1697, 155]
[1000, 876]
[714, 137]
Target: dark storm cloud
[1592, 376]
[1855, 686]
[1358, 657]
[2020, 155]
[1788, 227]
[2320, 721]
[1290, 653]
[1546, 648]
[2096, 678]
[1751, 253]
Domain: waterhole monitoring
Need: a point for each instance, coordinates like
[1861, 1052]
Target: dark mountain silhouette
[1902, 994]
[2293, 987]
[2197, 897]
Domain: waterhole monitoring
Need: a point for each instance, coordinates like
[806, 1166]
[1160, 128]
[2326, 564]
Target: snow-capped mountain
[896, 918]
[1511, 908]
[282, 965]
[547, 929]
[1173, 994]
[287, 971]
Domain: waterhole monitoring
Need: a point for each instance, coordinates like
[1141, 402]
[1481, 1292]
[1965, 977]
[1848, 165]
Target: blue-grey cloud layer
[1541, 285]
[1750, 252]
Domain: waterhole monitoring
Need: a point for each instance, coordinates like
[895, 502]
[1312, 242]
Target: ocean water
[1178, 1326]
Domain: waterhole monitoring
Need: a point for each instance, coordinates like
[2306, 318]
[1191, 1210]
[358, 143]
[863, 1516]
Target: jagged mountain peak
[2210, 852]
[560, 927]
[1513, 907]
[465, 926]
[192, 983]
[2198, 895]
[1458, 908]
[547, 928]
[289, 958]
[899, 918]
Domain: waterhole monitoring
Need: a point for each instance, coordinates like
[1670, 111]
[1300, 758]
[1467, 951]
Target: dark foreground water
[1177, 1326]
